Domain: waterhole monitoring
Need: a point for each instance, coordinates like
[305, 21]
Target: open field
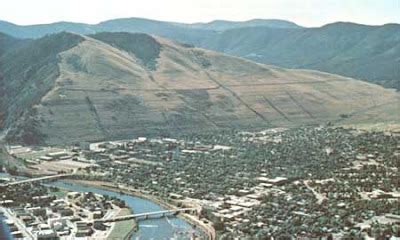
[61, 165]
[33, 154]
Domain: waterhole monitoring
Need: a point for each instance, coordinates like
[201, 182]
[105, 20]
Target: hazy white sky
[303, 12]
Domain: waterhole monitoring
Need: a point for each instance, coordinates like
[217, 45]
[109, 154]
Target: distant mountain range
[70, 88]
[221, 25]
[171, 29]
[370, 53]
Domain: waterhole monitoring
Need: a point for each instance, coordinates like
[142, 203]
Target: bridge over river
[39, 179]
[148, 215]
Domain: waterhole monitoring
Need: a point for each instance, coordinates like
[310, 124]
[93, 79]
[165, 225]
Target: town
[35, 211]
[304, 182]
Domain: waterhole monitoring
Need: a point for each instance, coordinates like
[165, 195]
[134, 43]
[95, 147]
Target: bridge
[39, 179]
[147, 215]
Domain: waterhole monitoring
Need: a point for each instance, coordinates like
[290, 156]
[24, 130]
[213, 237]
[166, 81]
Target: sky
[309, 13]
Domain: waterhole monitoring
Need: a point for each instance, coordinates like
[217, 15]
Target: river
[4, 230]
[161, 228]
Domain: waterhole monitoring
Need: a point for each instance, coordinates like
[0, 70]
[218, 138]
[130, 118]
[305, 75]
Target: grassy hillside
[104, 90]
[143, 46]
[7, 43]
[370, 53]
[358, 51]
[27, 74]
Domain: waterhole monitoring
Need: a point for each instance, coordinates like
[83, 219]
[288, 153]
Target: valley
[261, 129]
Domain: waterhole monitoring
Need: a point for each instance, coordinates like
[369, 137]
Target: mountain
[137, 25]
[169, 30]
[178, 31]
[69, 88]
[40, 30]
[222, 25]
[370, 53]
[8, 43]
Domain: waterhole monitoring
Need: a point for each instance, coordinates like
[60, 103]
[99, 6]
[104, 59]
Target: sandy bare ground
[319, 196]
[62, 165]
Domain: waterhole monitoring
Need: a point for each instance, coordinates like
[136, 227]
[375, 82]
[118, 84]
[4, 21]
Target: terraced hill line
[234, 94]
[276, 109]
[300, 105]
[96, 117]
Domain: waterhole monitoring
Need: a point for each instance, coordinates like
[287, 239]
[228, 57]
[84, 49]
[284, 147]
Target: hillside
[72, 88]
[370, 53]
[364, 52]
[7, 43]
[26, 74]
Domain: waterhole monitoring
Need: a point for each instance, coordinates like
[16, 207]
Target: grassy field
[59, 193]
[122, 230]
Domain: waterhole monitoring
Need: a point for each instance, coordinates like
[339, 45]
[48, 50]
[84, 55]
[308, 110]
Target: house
[66, 212]
[82, 225]
[274, 181]
[57, 155]
[46, 234]
[7, 203]
[175, 196]
[46, 158]
[97, 214]
[17, 235]
[83, 233]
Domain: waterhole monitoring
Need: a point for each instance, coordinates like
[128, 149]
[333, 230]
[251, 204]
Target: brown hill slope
[370, 53]
[107, 89]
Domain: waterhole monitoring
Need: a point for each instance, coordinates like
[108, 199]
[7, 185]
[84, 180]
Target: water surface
[157, 228]
[171, 227]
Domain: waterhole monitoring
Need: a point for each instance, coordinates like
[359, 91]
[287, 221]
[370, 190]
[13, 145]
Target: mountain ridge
[39, 30]
[223, 25]
[369, 53]
[364, 52]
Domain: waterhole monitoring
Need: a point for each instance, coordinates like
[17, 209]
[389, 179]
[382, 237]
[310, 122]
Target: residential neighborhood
[310, 182]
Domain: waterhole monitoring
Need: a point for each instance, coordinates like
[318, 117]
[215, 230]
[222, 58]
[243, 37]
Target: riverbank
[124, 229]
[207, 229]
[119, 230]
